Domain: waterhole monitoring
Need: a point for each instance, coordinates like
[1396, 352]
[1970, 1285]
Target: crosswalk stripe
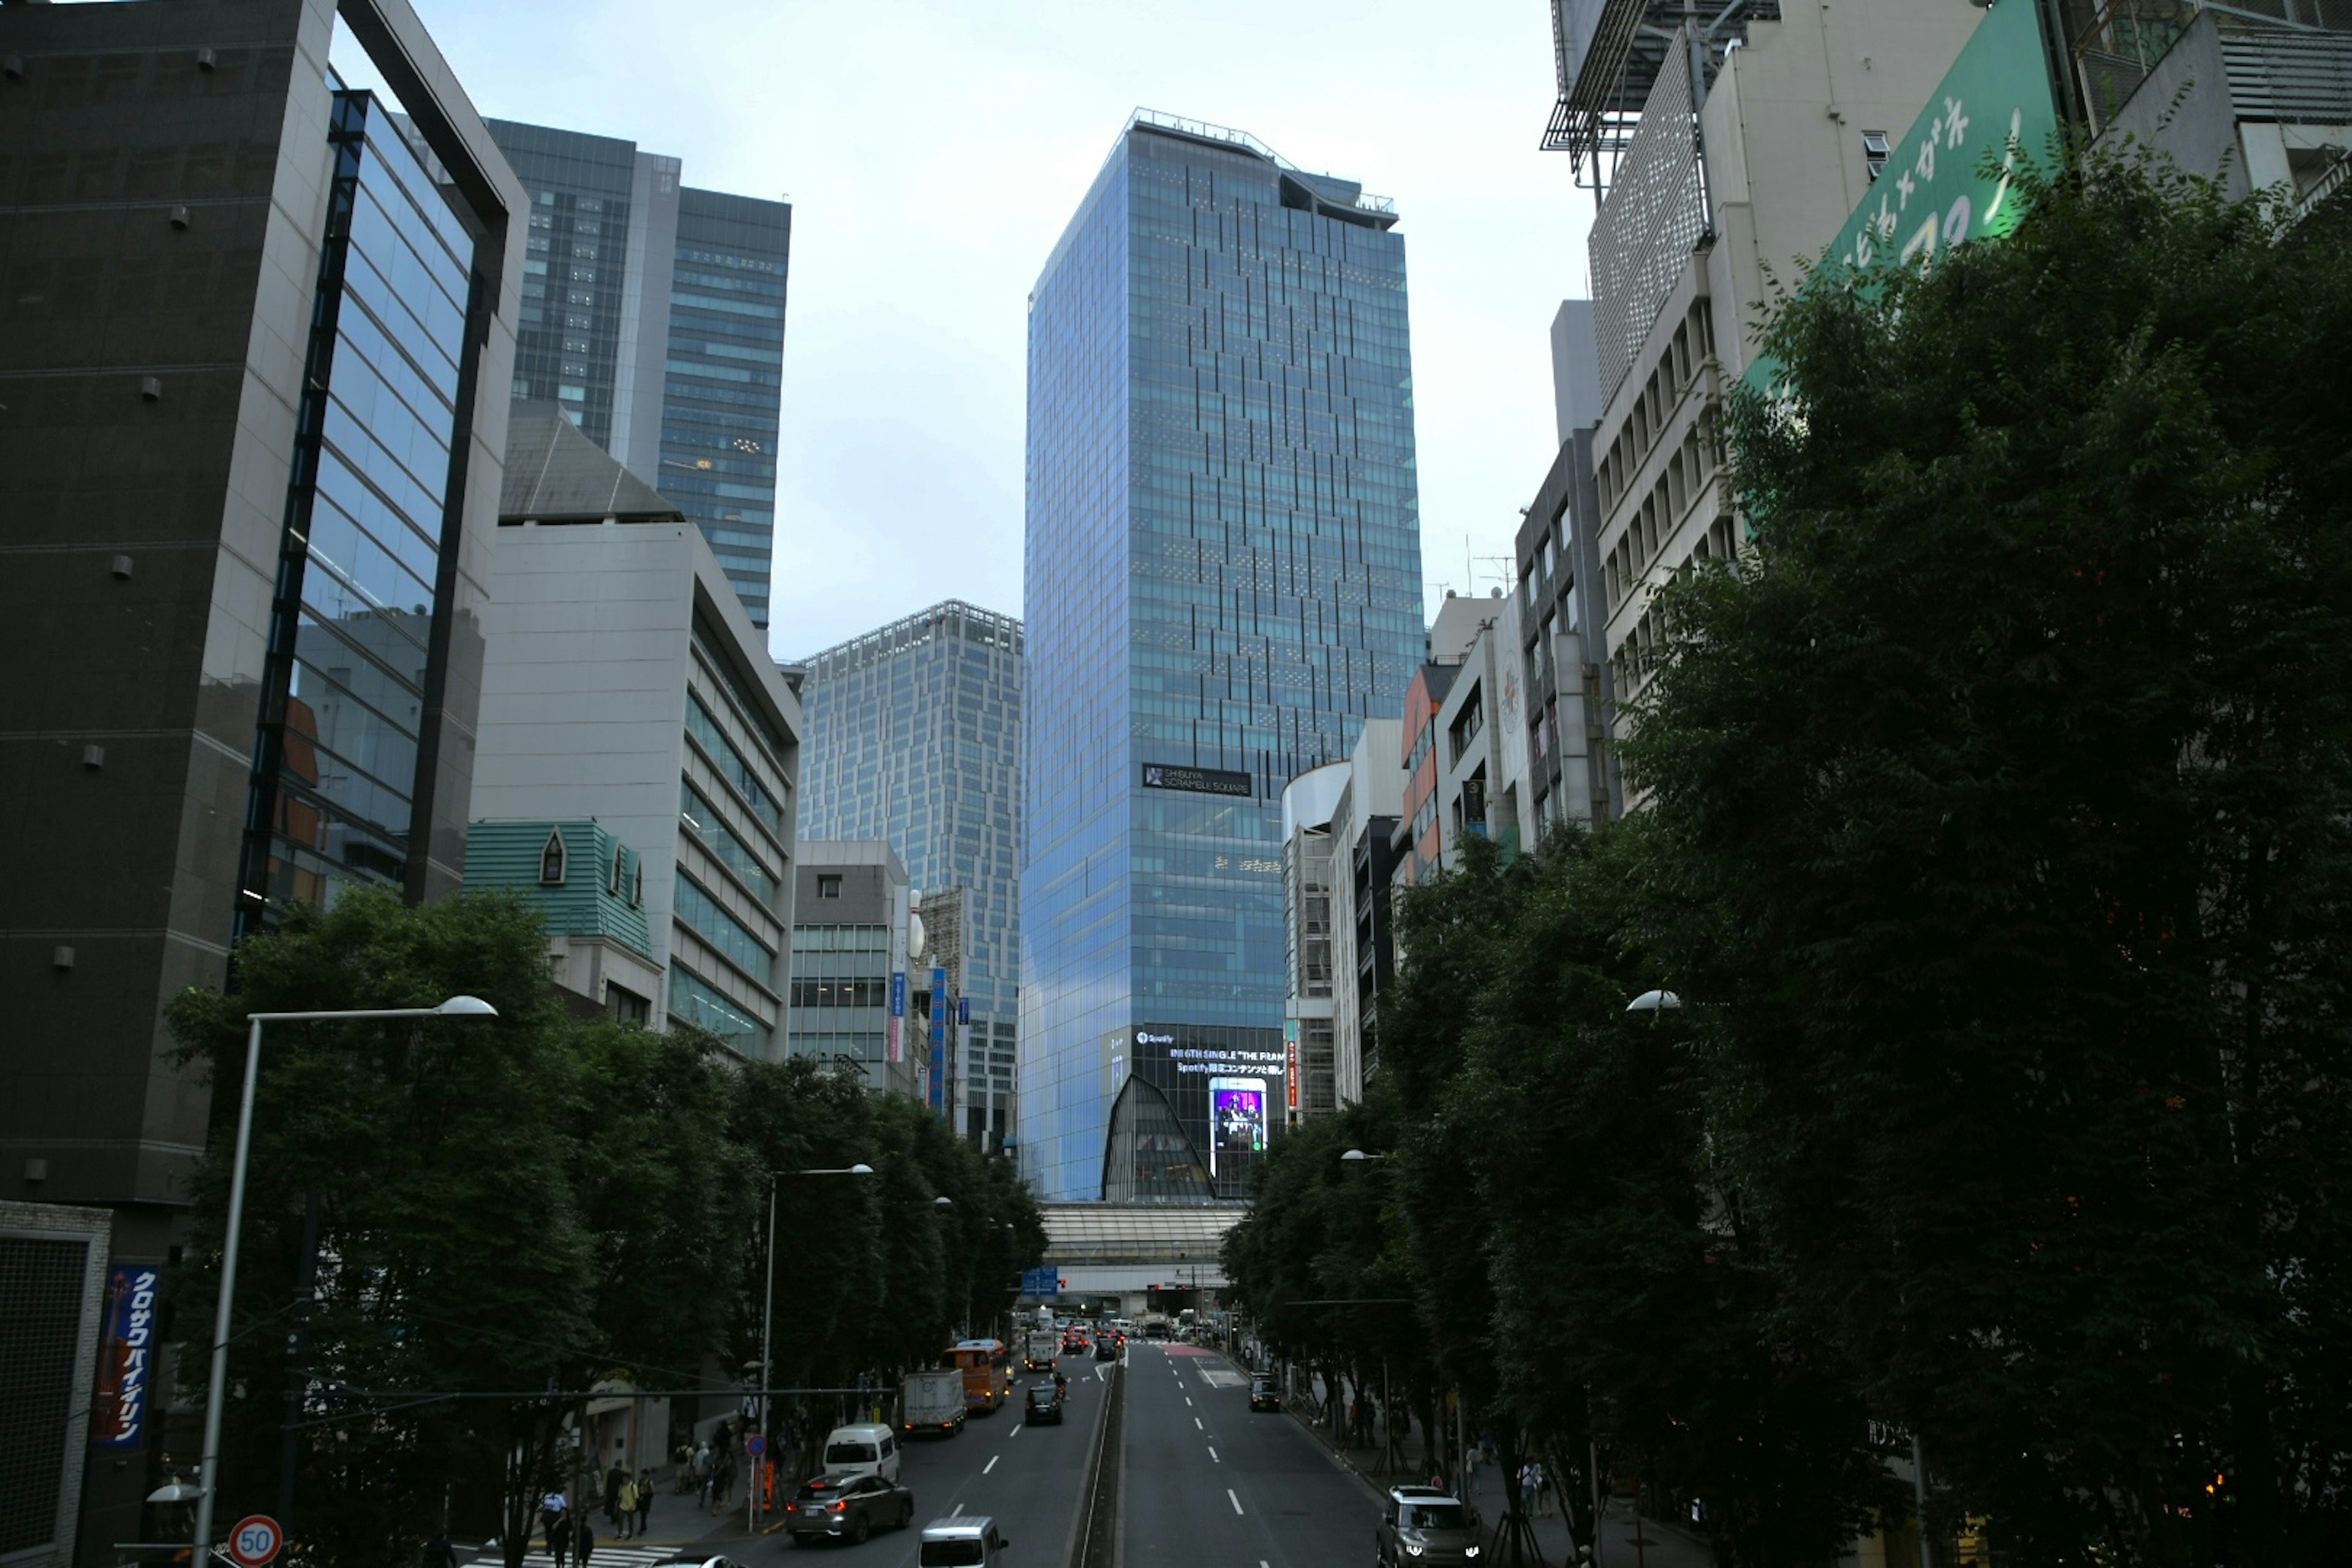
[617, 1556]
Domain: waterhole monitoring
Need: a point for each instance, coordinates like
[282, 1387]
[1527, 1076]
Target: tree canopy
[1997, 835]
[531, 1203]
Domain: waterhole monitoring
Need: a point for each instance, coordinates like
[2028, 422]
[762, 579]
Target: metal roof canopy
[1608, 53]
[1137, 1233]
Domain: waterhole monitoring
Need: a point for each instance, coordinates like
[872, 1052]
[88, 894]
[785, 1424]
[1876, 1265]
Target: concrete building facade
[1722, 145]
[590, 889]
[851, 1005]
[626, 683]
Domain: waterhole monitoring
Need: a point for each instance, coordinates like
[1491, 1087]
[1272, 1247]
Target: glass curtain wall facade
[722, 381]
[653, 313]
[913, 736]
[1223, 580]
[355, 667]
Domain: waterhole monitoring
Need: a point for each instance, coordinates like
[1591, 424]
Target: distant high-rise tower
[1223, 582]
[653, 314]
[913, 735]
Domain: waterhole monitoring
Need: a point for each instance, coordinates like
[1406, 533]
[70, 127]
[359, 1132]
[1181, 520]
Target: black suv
[847, 1507]
[1044, 1404]
[1420, 1525]
[1265, 1393]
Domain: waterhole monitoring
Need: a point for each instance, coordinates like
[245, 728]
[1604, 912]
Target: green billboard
[1938, 188]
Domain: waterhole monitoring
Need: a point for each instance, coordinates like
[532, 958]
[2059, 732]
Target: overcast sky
[933, 150]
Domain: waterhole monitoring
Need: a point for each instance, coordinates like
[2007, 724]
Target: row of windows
[723, 930]
[731, 764]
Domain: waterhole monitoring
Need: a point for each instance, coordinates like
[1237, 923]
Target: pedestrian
[644, 1500]
[628, 1500]
[583, 1542]
[438, 1552]
[559, 1537]
[613, 1477]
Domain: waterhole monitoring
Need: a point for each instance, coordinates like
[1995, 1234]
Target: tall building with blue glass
[1222, 583]
[912, 734]
[653, 314]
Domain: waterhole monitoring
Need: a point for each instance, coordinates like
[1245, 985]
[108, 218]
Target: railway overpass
[1138, 1258]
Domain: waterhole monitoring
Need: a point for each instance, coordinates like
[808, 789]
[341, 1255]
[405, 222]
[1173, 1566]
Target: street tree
[2011, 763]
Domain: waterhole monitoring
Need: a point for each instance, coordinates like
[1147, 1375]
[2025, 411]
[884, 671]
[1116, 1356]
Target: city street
[1208, 1482]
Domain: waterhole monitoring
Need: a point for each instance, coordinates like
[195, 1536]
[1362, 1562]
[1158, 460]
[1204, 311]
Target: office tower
[850, 997]
[653, 314]
[255, 359]
[1721, 144]
[1223, 581]
[624, 685]
[914, 737]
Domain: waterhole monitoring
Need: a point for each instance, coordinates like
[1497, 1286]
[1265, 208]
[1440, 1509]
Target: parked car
[847, 1507]
[1266, 1393]
[970, 1541]
[1043, 1404]
[1421, 1526]
[862, 1451]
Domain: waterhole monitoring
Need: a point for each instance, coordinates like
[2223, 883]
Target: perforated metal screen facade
[44, 1302]
[1650, 223]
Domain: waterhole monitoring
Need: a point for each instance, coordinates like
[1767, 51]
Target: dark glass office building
[255, 346]
[1223, 581]
[653, 314]
[913, 735]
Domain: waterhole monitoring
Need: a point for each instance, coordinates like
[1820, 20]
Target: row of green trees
[1995, 837]
[499, 1211]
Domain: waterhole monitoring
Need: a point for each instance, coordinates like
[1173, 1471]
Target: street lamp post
[752, 1499]
[214, 1393]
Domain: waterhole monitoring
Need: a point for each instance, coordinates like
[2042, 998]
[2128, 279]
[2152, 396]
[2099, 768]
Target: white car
[968, 1541]
[862, 1451]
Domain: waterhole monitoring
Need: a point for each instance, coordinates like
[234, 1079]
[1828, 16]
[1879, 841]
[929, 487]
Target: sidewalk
[1656, 1544]
[676, 1521]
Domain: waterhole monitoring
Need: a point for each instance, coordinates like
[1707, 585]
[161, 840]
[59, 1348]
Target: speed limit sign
[255, 1540]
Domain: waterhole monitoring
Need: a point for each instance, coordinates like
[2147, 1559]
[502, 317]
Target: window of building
[550, 860]
[1875, 151]
[620, 869]
[627, 1006]
[828, 887]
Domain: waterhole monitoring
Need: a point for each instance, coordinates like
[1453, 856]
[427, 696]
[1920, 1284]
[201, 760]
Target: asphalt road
[1209, 1483]
[1027, 1478]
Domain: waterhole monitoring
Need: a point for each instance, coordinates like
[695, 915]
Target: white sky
[933, 150]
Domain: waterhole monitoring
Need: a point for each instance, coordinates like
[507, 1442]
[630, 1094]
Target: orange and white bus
[987, 1380]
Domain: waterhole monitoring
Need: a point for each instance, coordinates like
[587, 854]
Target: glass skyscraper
[1223, 581]
[654, 315]
[912, 734]
[356, 680]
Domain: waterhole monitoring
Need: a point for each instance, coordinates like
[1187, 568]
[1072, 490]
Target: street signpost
[255, 1540]
[755, 1445]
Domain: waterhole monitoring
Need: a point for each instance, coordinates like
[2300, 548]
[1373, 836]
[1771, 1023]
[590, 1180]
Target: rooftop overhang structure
[1102, 1250]
[1326, 195]
[1608, 54]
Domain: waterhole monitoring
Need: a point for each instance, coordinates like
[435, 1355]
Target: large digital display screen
[1236, 1120]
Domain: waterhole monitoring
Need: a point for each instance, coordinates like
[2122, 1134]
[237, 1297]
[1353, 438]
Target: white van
[864, 1450]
